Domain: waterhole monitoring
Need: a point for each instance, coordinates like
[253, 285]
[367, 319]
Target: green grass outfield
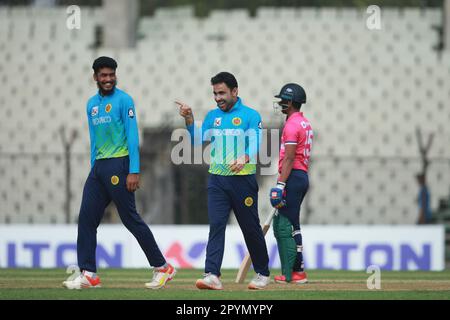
[129, 284]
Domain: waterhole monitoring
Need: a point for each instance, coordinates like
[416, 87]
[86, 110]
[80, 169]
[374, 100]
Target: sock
[164, 266]
[299, 266]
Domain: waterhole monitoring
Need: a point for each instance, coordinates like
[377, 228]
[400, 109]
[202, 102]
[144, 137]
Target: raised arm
[186, 113]
[197, 133]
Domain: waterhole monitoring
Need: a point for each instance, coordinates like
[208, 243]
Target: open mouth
[108, 85]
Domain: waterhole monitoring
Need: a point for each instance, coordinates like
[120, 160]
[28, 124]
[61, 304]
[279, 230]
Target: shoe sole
[202, 286]
[90, 287]
[294, 281]
[280, 281]
[301, 281]
[81, 287]
[161, 286]
[253, 287]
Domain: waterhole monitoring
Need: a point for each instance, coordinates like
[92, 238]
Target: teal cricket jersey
[113, 128]
[232, 134]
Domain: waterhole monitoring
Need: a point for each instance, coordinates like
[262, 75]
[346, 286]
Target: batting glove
[276, 195]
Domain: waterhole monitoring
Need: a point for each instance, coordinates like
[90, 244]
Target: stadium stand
[367, 93]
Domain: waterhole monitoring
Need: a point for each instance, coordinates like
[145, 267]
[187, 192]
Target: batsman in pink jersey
[292, 183]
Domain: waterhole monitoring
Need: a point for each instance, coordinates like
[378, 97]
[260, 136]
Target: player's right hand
[185, 110]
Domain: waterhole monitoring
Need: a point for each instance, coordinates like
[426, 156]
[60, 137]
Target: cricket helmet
[292, 92]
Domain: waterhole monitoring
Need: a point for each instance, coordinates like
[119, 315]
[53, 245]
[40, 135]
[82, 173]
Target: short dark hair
[225, 77]
[104, 62]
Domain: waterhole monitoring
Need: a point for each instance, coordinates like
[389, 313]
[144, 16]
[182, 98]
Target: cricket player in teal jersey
[114, 176]
[234, 131]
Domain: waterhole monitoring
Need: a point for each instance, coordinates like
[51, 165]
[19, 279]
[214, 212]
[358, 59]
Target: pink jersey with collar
[297, 131]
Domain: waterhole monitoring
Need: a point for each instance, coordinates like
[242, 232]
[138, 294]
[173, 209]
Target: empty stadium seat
[367, 92]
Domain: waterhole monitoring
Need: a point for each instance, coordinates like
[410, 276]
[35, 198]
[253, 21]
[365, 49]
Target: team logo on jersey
[131, 113]
[217, 122]
[114, 180]
[248, 201]
[108, 107]
[94, 111]
[237, 121]
[260, 125]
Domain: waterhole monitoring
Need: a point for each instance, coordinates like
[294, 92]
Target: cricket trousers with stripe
[296, 188]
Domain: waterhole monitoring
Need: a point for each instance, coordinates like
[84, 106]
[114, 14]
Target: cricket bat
[245, 265]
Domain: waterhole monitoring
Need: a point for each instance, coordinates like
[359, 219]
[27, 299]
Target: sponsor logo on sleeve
[94, 111]
[217, 122]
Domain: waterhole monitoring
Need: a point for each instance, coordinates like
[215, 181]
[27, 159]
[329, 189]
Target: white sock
[89, 274]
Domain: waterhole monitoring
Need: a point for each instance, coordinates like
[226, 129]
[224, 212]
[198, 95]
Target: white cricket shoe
[161, 276]
[259, 282]
[209, 282]
[83, 281]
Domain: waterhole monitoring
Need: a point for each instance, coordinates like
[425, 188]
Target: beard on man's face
[107, 86]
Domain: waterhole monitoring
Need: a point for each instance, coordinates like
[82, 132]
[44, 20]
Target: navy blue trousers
[296, 187]
[240, 194]
[102, 187]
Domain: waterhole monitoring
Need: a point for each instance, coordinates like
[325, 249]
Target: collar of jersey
[296, 114]
[108, 96]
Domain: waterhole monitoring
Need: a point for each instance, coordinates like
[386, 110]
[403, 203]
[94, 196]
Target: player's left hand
[132, 182]
[238, 164]
[276, 196]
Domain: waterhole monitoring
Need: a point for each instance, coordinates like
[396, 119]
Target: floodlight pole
[67, 146]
